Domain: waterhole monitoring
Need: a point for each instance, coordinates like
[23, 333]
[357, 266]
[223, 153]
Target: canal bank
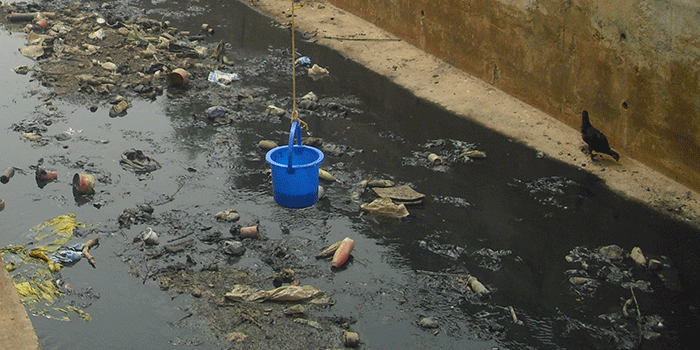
[17, 330]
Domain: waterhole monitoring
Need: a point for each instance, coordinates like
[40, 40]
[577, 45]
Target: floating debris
[317, 72]
[402, 193]
[385, 207]
[329, 251]
[340, 256]
[473, 154]
[324, 175]
[435, 159]
[230, 215]
[149, 237]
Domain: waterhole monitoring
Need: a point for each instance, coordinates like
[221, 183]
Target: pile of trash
[35, 271]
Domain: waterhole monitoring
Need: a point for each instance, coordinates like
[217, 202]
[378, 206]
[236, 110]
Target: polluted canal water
[510, 251]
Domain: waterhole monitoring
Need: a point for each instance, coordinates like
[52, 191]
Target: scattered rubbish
[514, 316]
[477, 287]
[351, 339]
[434, 159]
[84, 183]
[40, 254]
[384, 206]
[377, 183]
[306, 293]
[219, 52]
[178, 77]
[612, 253]
[216, 113]
[340, 256]
[148, 236]
[43, 23]
[310, 323]
[32, 51]
[119, 109]
[99, 35]
[222, 78]
[110, 66]
[234, 248]
[70, 255]
[316, 72]
[428, 322]
[629, 303]
[329, 251]
[445, 249]
[237, 337]
[638, 256]
[303, 61]
[284, 276]
[321, 192]
[249, 232]
[7, 175]
[134, 216]
[134, 160]
[654, 264]
[324, 175]
[308, 101]
[297, 309]
[2, 204]
[274, 110]
[207, 28]
[86, 247]
[473, 154]
[62, 226]
[310, 96]
[43, 176]
[31, 136]
[267, 145]
[23, 69]
[402, 193]
[230, 215]
[22, 17]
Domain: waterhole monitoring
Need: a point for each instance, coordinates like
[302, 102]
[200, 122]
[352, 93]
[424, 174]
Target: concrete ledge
[17, 332]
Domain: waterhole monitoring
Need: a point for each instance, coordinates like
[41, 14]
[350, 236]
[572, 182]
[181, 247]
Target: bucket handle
[295, 130]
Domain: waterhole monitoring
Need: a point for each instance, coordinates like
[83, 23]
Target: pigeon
[596, 141]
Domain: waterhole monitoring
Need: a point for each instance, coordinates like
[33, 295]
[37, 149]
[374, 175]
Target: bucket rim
[268, 157]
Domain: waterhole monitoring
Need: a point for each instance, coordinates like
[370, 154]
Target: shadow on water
[523, 225]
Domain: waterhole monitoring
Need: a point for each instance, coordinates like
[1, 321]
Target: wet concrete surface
[510, 219]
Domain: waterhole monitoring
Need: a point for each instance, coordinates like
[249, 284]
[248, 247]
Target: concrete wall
[633, 64]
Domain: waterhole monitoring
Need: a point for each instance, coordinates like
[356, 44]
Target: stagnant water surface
[511, 219]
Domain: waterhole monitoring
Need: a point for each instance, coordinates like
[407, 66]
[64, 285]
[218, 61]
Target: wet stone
[295, 310]
[234, 248]
[428, 322]
[612, 253]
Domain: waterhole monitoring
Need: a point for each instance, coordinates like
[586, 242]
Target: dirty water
[526, 226]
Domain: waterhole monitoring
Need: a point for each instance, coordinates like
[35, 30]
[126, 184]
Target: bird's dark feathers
[596, 141]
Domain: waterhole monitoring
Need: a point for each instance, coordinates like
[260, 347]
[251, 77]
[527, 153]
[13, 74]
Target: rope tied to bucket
[295, 112]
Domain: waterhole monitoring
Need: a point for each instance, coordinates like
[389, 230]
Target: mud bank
[440, 83]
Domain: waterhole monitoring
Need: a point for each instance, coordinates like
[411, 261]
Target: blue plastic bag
[70, 255]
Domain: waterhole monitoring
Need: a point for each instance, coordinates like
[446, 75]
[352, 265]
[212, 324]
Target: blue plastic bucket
[295, 171]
